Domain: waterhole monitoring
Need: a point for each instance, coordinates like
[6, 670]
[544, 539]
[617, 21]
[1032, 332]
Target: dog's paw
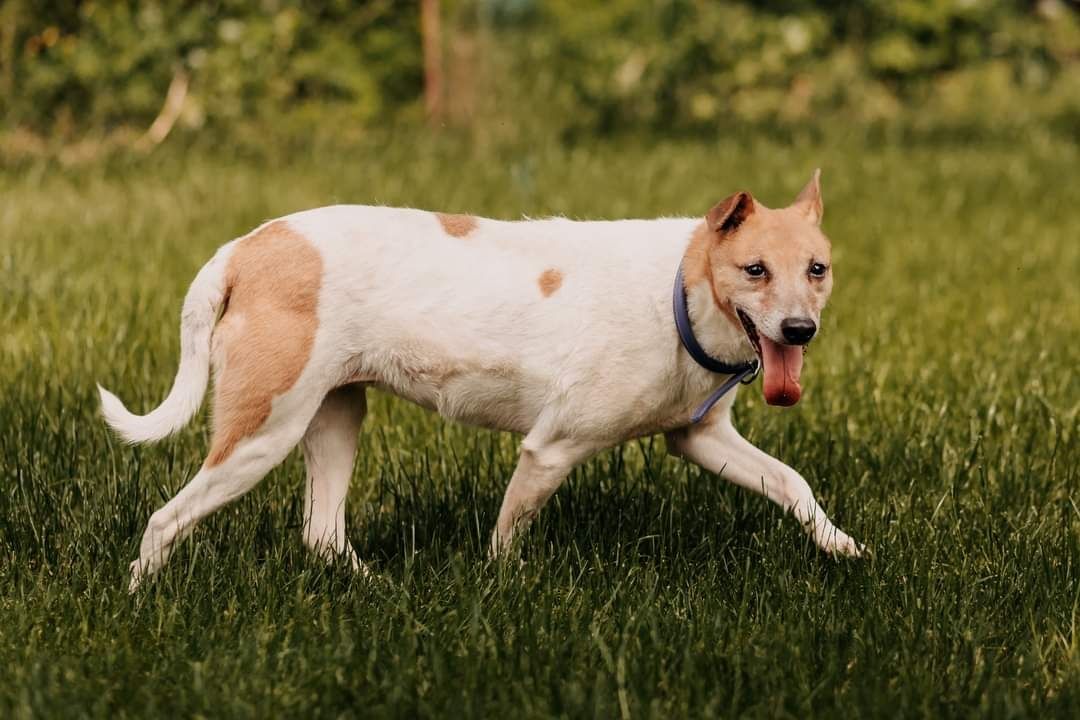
[358, 565]
[137, 573]
[342, 558]
[838, 543]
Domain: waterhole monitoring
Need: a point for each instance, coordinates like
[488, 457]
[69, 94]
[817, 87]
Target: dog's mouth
[781, 364]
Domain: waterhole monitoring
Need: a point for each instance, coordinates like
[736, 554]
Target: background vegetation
[939, 423]
[70, 67]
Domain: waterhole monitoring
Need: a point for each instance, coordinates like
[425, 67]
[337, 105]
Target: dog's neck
[713, 318]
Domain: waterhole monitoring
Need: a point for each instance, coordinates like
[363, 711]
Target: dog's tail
[202, 305]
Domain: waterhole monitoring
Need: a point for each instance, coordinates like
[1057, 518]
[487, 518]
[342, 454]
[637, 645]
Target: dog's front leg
[719, 448]
[542, 467]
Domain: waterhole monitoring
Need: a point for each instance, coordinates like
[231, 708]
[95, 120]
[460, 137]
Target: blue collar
[740, 373]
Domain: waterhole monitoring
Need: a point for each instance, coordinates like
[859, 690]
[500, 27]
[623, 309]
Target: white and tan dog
[556, 329]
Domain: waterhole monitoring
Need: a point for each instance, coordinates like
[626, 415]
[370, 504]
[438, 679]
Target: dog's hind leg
[262, 349]
[329, 452]
[235, 465]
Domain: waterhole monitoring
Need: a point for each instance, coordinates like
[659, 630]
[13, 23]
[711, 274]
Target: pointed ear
[727, 215]
[809, 200]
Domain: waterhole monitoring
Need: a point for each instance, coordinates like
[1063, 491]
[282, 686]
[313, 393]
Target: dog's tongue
[781, 367]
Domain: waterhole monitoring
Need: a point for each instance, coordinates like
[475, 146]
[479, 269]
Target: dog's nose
[798, 331]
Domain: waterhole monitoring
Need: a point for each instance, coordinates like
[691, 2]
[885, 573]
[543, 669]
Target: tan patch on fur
[697, 265]
[456, 225]
[550, 281]
[265, 336]
[783, 240]
[738, 232]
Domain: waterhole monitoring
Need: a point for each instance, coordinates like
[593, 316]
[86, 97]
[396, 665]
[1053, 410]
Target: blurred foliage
[67, 66]
[677, 63]
[79, 64]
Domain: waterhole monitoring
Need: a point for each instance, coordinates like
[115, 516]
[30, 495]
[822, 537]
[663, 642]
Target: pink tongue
[782, 365]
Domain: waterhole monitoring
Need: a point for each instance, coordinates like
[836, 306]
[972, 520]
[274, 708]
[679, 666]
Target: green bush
[67, 66]
[688, 63]
[100, 64]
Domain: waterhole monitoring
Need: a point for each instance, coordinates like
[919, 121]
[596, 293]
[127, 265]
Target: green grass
[939, 426]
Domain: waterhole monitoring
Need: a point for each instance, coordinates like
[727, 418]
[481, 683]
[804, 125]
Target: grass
[939, 426]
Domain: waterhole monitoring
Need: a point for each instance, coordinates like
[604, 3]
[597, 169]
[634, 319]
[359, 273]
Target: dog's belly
[484, 399]
[487, 386]
[469, 386]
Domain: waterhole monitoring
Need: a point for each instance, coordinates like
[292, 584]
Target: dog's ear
[809, 200]
[731, 212]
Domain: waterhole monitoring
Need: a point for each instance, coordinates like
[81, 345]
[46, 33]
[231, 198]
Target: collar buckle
[751, 376]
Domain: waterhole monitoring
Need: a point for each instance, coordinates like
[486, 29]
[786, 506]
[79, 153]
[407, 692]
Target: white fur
[200, 312]
[460, 325]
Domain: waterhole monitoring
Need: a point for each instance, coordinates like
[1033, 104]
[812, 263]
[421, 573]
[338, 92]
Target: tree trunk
[431, 36]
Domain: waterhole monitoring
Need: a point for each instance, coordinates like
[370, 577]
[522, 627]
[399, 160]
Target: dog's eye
[818, 270]
[755, 271]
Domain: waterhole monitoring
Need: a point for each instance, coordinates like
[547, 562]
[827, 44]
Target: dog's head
[773, 271]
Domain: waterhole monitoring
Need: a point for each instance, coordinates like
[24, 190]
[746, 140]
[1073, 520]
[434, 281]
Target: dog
[560, 330]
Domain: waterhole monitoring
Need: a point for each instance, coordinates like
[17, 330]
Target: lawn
[938, 425]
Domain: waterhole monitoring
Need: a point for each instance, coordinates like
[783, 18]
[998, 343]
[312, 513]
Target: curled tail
[202, 305]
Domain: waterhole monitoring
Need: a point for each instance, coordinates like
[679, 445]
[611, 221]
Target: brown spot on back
[456, 225]
[550, 280]
[264, 339]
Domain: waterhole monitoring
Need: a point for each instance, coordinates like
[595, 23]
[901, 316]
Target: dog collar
[740, 373]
